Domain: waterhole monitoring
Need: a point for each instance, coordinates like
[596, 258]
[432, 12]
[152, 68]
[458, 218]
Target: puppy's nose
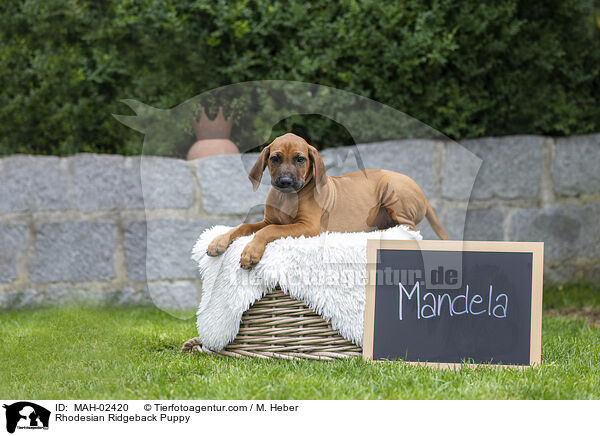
[285, 181]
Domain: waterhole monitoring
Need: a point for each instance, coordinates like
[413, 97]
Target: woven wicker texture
[279, 326]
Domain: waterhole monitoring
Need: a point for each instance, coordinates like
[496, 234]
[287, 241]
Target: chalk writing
[466, 302]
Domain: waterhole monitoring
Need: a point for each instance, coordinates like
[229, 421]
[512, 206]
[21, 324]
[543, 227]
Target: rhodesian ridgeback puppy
[304, 201]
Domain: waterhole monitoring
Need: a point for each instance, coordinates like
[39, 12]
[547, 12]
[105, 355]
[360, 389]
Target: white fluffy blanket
[326, 272]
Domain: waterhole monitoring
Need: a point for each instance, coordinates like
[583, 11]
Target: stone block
[22, 299]
[62, 294]
[225, 186]
[169, 248]
[96, 181]
[131, 191]
[560, 273]
[459, 172]
[6, 300]
[180, 295]
[592, 274]
[104, 182]
[467, 225]
[134, 241]
[32, 183]
[511, 167]
[475, 224]
[129, 296]
[577, 165]
[567, 230]
[167, 183]
[73, 251]
[13, 240]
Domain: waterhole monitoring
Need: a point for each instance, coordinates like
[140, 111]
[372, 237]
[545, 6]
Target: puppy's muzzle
[286, 183]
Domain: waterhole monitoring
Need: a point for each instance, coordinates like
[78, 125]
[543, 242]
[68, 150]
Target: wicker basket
[279, 326]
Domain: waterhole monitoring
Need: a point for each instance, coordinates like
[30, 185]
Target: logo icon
[26, 415]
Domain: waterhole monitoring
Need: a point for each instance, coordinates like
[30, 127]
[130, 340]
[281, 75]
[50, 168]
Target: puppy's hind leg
[401, 204]
[406, 204]
[401, 220]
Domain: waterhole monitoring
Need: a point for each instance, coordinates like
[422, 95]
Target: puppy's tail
[435, 223]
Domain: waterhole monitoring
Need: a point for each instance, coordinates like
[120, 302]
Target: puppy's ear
[255, 174]
[319, 171]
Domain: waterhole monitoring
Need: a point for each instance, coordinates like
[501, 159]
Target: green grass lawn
[110, 353]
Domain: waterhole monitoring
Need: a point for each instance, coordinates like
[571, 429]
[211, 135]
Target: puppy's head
[292, 163]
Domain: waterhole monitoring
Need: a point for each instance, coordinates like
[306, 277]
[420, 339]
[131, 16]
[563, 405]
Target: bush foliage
[467, 68]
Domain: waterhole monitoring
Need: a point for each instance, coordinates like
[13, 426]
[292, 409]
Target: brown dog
[303, 200]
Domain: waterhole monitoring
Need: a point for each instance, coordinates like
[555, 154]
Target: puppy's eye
[300, 160]
[275, 159]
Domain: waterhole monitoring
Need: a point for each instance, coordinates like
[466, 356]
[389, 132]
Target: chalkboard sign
[453, 302]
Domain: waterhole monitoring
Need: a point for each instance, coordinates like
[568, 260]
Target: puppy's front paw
[218, 245]
[251, 255]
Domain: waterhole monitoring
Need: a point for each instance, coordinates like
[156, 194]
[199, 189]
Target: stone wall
[104, 228]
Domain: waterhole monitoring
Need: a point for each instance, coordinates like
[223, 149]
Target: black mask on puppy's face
[292, 164]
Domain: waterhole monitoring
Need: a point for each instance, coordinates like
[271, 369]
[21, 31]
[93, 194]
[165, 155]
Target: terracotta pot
[211, 147]
[213, 136]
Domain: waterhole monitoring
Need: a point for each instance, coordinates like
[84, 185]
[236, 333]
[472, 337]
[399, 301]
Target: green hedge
[466, 68]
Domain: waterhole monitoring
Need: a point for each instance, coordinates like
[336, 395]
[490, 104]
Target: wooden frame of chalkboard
[536, 249]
